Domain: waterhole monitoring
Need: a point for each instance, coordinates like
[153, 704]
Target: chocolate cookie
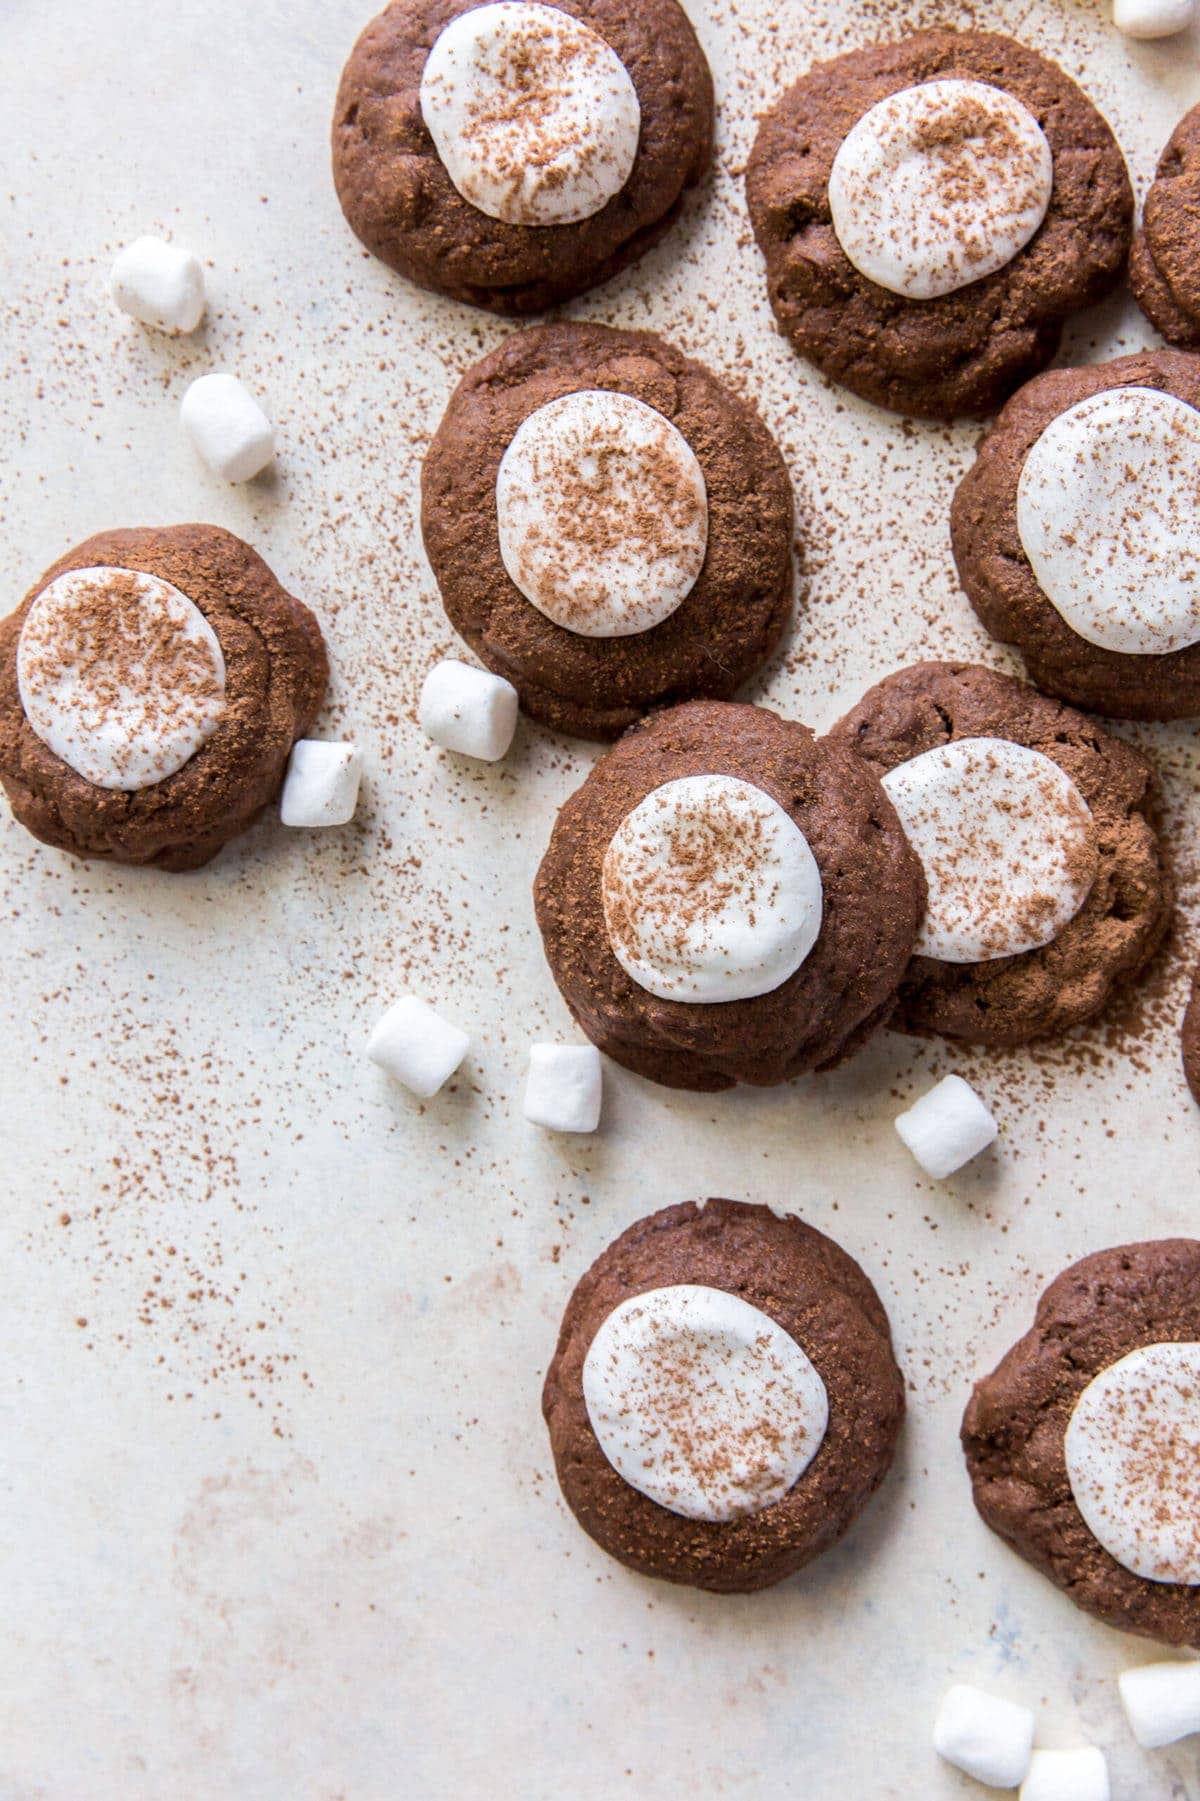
[807, 1286]
[757, 881]
[1191, 1039]
[698, 535]
[177, 674]
[958, 351]
[1025, 1436]
[995, 566]
[1162, 263]
[1107, 870]
[398, 195]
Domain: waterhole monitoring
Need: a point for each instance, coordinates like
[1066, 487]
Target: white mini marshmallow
[1067, 1776]
[321, 785]
[565, 1087]
[947, 1127]
[1161, 1702]
[159, 284]
[227, 427]
[468, 710]
[984, 1736]
[417, 1047]
[1153, 18]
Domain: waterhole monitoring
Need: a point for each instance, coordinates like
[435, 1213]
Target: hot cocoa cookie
[152, 683]
[667, 1470]
[1084, 1444]
[938, 293]
[514, 155]
[1162, 263]
[1094, 576]
[1046, 881]
[609, 524]
[727, 899]
[1191, 1039]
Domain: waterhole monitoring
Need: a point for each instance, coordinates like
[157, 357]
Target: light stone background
[278, 1518]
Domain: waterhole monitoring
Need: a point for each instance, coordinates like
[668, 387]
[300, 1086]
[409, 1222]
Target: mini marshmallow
[984, 1736]
[417, 1047]
[564, 1088]
[947, 1127]
[1153, 18]
[468, 710]
[321, 785]
[1161, 1702]
[227, 427]
[1067, 1776]
[159, 284]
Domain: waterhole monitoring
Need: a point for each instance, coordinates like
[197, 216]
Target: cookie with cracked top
[959, 352]
[1163, 261]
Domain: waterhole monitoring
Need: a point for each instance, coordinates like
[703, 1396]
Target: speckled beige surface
[278, 1517]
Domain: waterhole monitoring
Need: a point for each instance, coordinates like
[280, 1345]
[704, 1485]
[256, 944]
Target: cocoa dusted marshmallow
[468, 710]
[1067, 1776]
[227, 427]
[564, 1089]
[947, 1127]
[159, 285]
[984, 1736]
[1161, 1702]
[417, 1047]
[1153, 18]
[321, 784]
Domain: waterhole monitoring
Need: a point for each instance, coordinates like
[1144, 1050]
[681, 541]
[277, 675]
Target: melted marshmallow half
[1108, 511]
[711, 892]
[1007, 842]
[939, 185]
[703, 1402]
[1133, 1461]
[602, 513]
[533, 115]
[120, 675]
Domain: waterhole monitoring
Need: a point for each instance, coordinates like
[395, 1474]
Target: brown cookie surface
[995, 572]
[1010, 1000]
[1014, 1428]
[1191, 1039]
[873, 895]
[275, 675]
[739, 607]
[399, 200]
[818, 1294]
[1165, 257]
[963, 352]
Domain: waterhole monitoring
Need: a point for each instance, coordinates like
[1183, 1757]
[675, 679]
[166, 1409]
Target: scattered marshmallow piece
[1161, 1702]
[565, 1087]
[468, 710]
[947, 1127]
[1153, 18]
[1067, 1776]
[321, 785]
[984, 1736]
[417, 1047]
[159, 284]
[228, 427]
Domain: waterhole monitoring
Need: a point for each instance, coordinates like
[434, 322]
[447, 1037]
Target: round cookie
[959, 352]
[1162, 262]
[1015, 1430]
[399, 199]
[1010, 999]
[821, 1298]
[871, 892]
[1191, 1039]
[275, 671]
[737, 608]
[998, 577]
